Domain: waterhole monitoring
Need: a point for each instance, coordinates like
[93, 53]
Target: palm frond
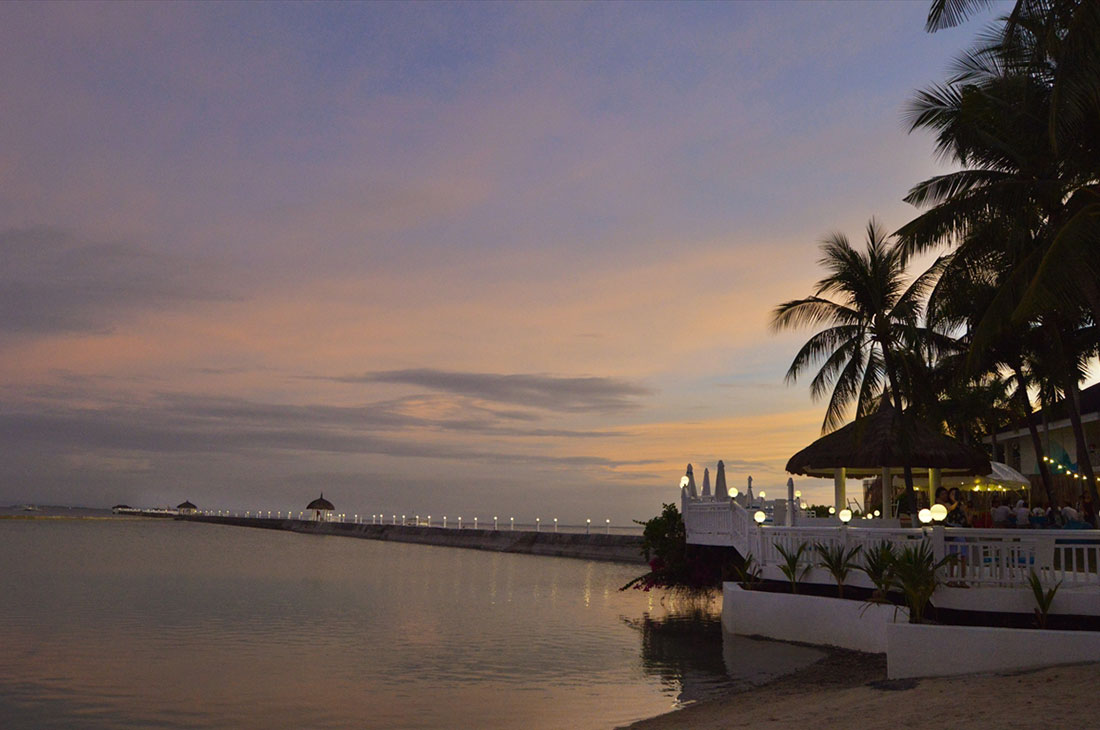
[949, 13]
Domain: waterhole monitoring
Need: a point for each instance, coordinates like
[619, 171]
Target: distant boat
[31, 508]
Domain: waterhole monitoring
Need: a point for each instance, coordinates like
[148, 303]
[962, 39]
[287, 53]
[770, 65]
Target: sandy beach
[848, 689]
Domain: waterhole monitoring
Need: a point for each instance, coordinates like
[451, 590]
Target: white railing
[983, 557]
[711, 523]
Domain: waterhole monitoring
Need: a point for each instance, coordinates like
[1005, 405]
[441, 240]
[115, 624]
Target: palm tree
[1008, 367]
[1021, 117]
[871, 315]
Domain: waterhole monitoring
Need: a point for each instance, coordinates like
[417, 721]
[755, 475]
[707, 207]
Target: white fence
[984, 557]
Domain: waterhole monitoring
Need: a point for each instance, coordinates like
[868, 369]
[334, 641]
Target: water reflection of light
[588, 585]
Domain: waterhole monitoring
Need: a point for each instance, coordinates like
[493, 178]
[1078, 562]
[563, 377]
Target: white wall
[846, 623]
[924, 650]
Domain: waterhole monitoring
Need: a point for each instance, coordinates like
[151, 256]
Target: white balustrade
[985, 557]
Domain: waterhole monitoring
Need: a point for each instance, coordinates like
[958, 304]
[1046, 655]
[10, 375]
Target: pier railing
[451, 522]
[982, 557]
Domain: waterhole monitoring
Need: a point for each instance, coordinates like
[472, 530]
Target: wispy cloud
[52, 281]
[600, 394]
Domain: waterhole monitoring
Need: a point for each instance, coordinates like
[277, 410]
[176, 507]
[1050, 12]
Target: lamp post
[555, 524]
[759, 518]
[512, 524]
[608, 523]
[475, 523]
[494, 522]
[588, 526]
[444, 522]
[925, 517]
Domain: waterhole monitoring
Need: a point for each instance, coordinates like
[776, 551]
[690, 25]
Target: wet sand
[849, 689]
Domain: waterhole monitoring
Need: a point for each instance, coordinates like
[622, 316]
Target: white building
[1015, 448]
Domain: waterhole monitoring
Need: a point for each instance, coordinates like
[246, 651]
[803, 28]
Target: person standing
[1088, 509]
[1022, 513]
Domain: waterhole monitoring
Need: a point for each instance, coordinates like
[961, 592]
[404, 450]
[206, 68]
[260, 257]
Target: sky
[465, 259]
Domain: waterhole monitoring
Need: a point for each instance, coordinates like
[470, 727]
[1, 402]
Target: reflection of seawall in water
[693, 652]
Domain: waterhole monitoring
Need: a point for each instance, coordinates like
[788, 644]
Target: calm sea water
[124, 623]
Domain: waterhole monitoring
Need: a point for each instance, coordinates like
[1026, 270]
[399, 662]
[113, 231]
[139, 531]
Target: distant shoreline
[60, 517]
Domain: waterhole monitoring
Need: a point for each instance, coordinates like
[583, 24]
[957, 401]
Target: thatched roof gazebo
[875, 445]
[320, 507]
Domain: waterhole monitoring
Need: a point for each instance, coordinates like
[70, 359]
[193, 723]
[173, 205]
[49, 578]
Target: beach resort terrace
[988, 570]
[986, 558]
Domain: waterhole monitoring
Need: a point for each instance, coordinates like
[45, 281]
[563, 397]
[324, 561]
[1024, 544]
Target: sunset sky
[430, 258]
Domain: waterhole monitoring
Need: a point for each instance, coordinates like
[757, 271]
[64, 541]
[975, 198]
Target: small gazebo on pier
[187, 508]
[877, 445]
[320, 509]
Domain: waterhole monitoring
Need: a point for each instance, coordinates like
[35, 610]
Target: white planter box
[847, 623]
[925, 650]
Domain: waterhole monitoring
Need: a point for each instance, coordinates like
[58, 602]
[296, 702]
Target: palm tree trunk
[1084, 463]
[1036, 442]
[907, 469]
[1072, 400]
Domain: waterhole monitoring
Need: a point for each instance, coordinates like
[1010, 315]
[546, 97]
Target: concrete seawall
[615, 548]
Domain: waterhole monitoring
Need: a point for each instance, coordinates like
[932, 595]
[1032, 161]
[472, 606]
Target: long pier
[613, 548]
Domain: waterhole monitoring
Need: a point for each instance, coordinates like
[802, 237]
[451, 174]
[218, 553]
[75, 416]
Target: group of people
[1002, 513]
[1081, 515]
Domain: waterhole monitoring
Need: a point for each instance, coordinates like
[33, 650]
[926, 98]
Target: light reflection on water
[155, 623]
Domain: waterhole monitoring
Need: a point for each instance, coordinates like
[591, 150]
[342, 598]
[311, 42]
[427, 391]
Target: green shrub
[1043, 598]
[839, 562]
[794, 566]
[878, 564]
[917, 576]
